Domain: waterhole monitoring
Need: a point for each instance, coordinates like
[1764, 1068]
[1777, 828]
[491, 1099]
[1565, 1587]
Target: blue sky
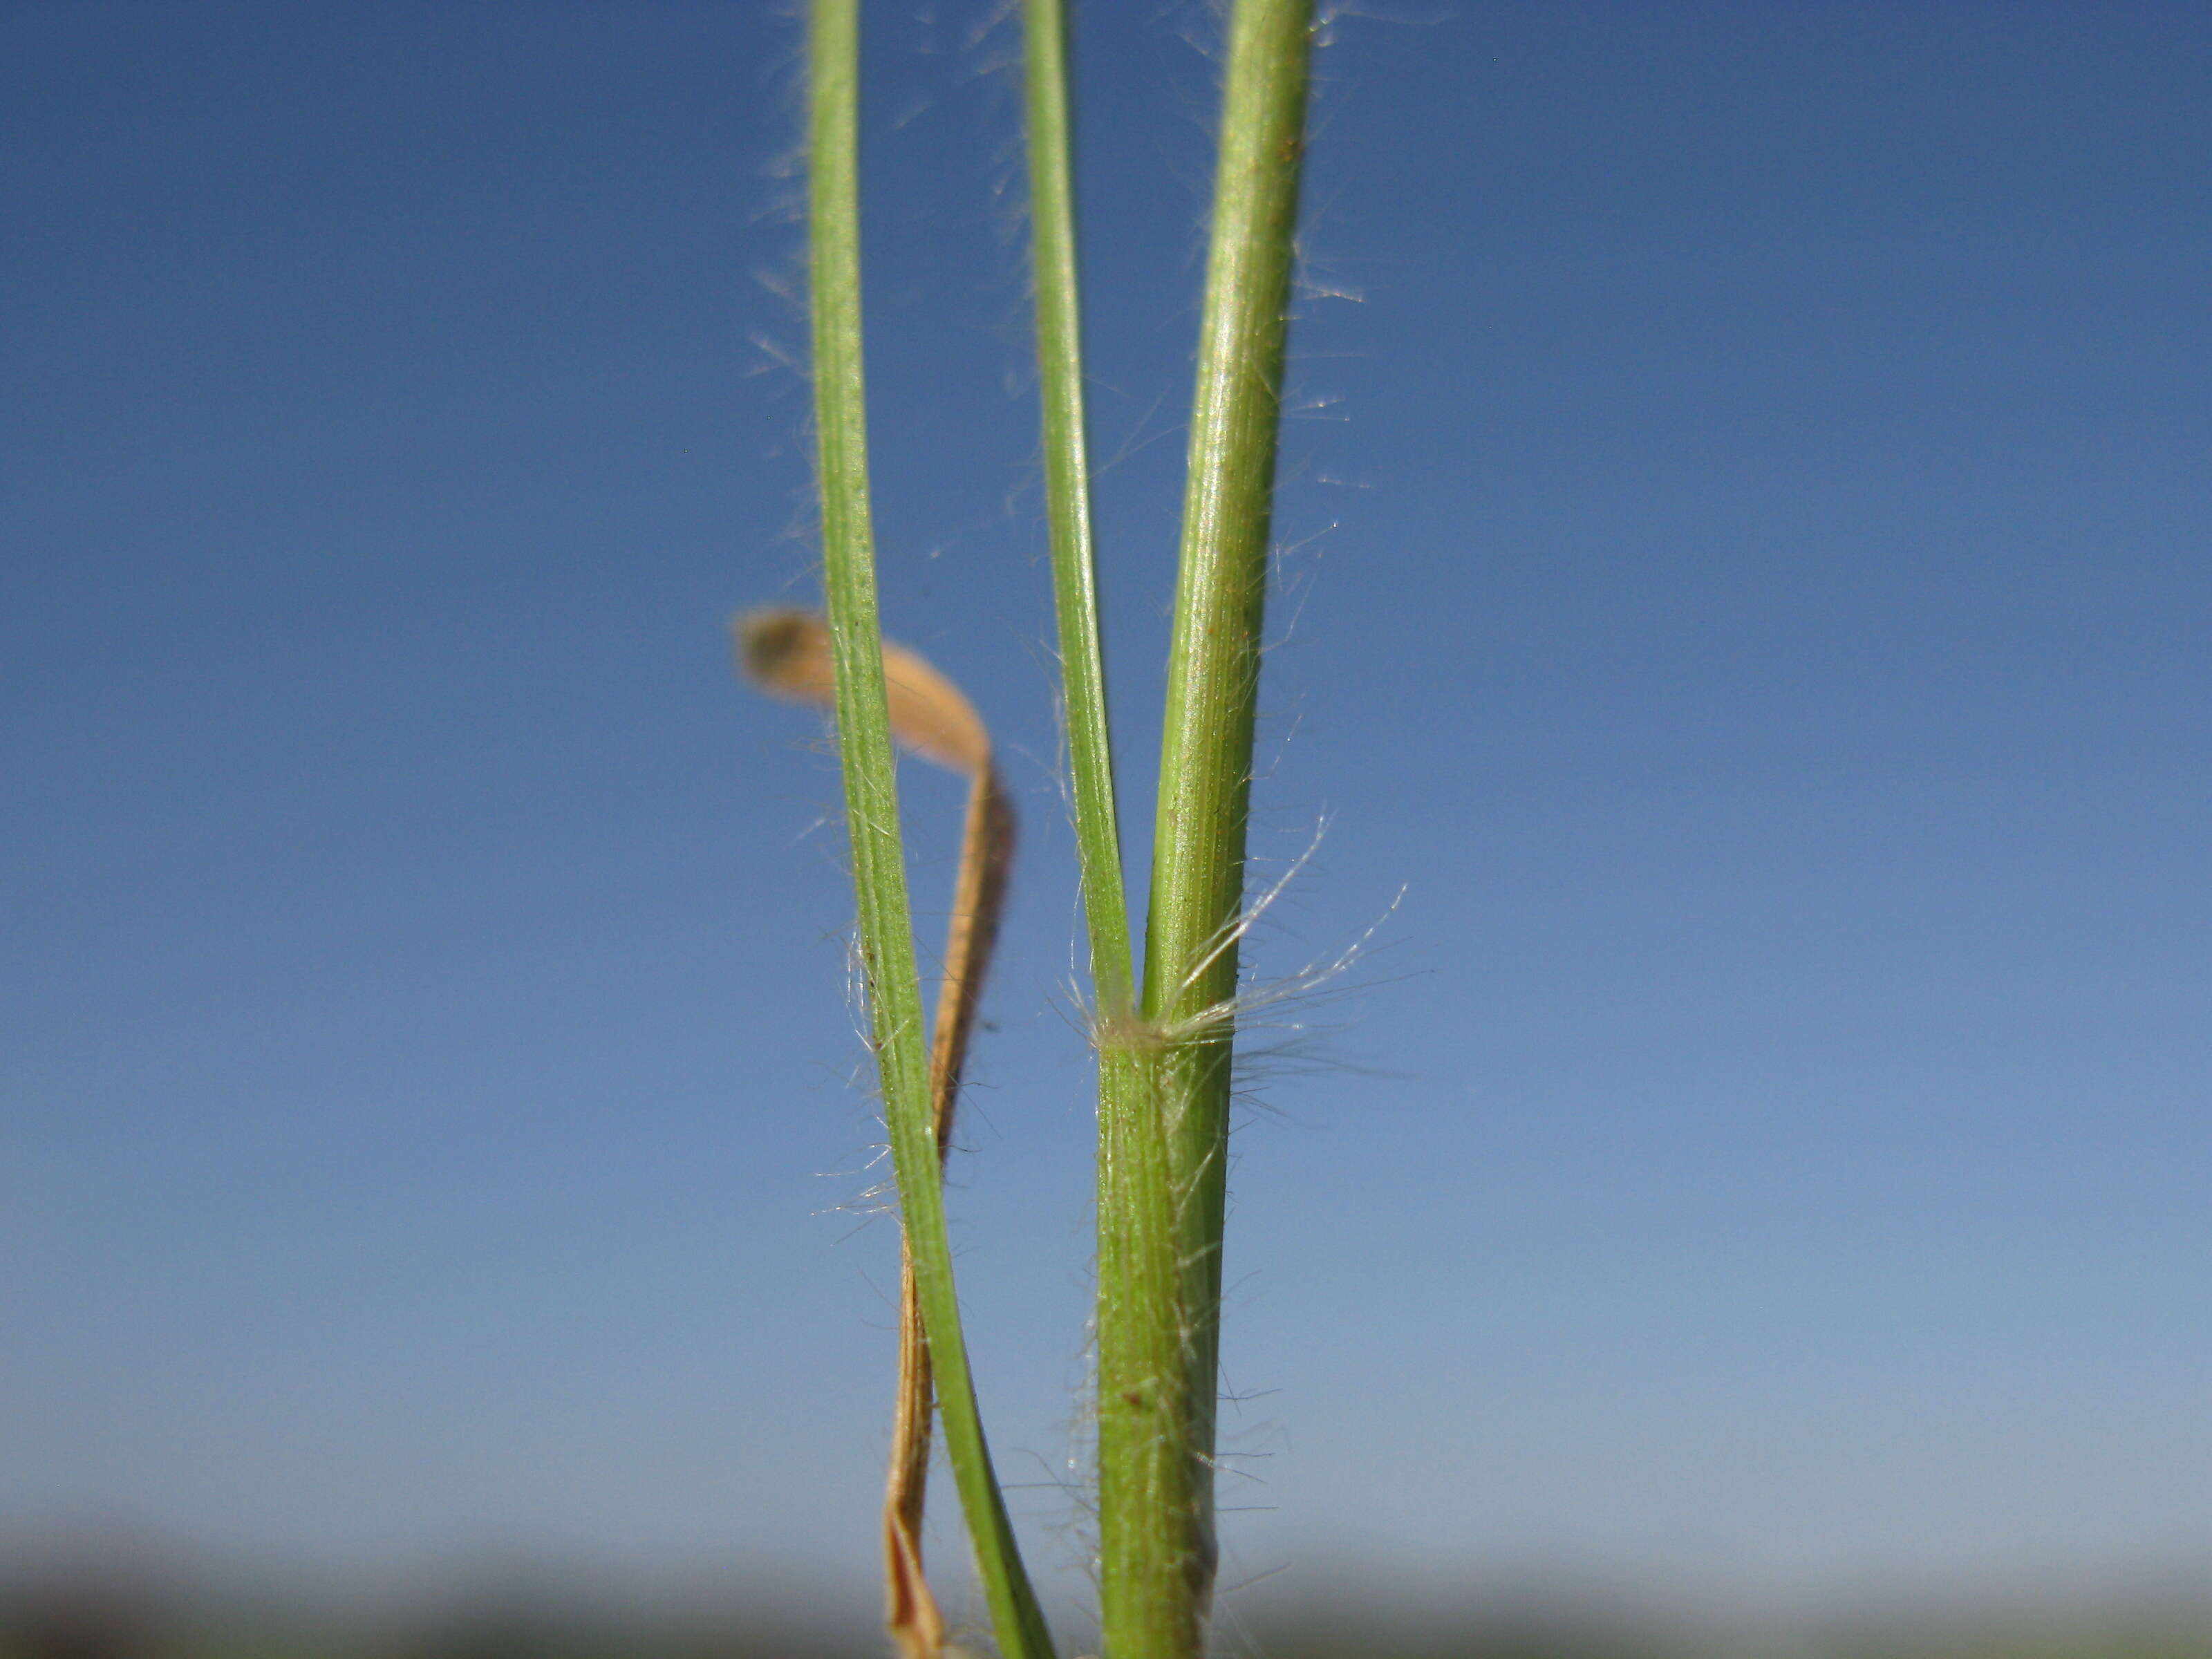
[1743, 578]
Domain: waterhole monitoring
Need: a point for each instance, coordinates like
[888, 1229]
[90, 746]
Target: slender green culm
[1132, 1167]
[1138, 1313]
[864, 742]
[1068, 506]
[1163, 1175]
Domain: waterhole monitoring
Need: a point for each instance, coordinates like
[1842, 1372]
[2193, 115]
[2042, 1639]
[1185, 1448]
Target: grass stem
[864, 754]
[1067, 504]
[1163, 1159]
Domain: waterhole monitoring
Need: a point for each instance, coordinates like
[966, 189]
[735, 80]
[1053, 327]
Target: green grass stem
[1067, 505]
[1142, 1516]
[1164, 1158]
[866, 757]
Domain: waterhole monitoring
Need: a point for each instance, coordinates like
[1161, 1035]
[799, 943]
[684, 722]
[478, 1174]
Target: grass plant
[1164, 1146]
[872, 814]
[1164, 1042]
